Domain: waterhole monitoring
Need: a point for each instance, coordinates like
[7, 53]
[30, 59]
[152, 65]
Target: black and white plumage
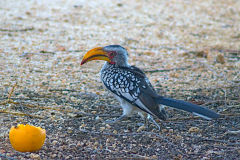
[132, 89]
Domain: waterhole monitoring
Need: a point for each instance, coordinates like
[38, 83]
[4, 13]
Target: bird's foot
[154, 122]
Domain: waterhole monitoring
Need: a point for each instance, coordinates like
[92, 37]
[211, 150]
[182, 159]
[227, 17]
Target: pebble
[98, 118]
[96, 144]
[94, 112]
[102, 128]
[54, 142]
[34, 156]
[83, 125]
[54, 155]
[141, 128]
[108, 126]
[154, 157]
[170, 131]
[193, 130]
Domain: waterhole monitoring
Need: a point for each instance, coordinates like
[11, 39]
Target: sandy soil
[189, 49]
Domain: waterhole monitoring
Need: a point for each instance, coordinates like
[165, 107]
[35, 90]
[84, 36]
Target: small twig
[9, 96]
[216, 101]
[62, 90]
[30, 106]
[43, 51]
[182, 118]
[12, 90]
[29, 54]
[21, 114]
[96, 115]
[110, 134]
[230, 115]
[194, 117]
[124, 134]
[211, 88]
[47, 108]
[77, 50]
[233, 132]
[167, 70]
[20, 98]
[128, 134]
[17, 30]
[228, 51]
[214, 140]
[135, 157]
[159, 48]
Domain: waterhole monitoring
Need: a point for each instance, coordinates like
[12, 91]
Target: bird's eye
[112, 54]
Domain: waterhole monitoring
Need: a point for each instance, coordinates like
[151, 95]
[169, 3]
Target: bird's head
[113, 54]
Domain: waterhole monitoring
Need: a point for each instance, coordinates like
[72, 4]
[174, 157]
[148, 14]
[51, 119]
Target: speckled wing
[131, 84]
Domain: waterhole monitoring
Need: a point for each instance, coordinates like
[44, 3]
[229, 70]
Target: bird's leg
[127, 111]
[146, 122]
[151, 118]
[144, 117]
[117, 119]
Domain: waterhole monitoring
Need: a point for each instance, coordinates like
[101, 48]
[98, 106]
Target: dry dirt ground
[189, 49]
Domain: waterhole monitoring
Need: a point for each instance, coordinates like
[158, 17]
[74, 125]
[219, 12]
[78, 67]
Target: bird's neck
[108, 65]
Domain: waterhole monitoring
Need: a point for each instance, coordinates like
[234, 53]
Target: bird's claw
[154, 122]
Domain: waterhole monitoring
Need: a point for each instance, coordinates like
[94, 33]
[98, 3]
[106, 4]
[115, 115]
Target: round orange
[27, 138]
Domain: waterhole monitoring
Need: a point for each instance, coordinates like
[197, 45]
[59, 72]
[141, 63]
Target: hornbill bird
[133, 90]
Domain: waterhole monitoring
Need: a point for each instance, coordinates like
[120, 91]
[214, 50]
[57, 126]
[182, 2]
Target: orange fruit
[27, 138]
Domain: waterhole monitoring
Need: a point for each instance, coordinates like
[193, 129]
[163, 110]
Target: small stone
[174, 75]
[220, 59]
[83, 125]
[60, 48]
[102, 128]
[178, 137]
[69, 130]
[74, 99]
[68, 157]
[98, 93]
[96, 144]
[79, 144]
[34, 156]
[203, 54]
[115, 132]
[170, 131]
[193, 130]
[238, 151]
[54, 155]
[149, 53]
[108, 126]
[98, 118]
[108, 140]
[141, 128]
[71, 115]
[233, 132]
[54, 142]
[2, 151]
[94, 112]
[154, 157]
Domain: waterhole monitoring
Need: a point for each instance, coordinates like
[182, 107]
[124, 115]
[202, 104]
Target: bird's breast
[121, 82]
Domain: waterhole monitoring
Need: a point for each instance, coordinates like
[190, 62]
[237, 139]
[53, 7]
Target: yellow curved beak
[95, 54]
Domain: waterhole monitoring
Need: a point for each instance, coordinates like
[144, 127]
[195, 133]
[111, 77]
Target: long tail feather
[186, 106]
